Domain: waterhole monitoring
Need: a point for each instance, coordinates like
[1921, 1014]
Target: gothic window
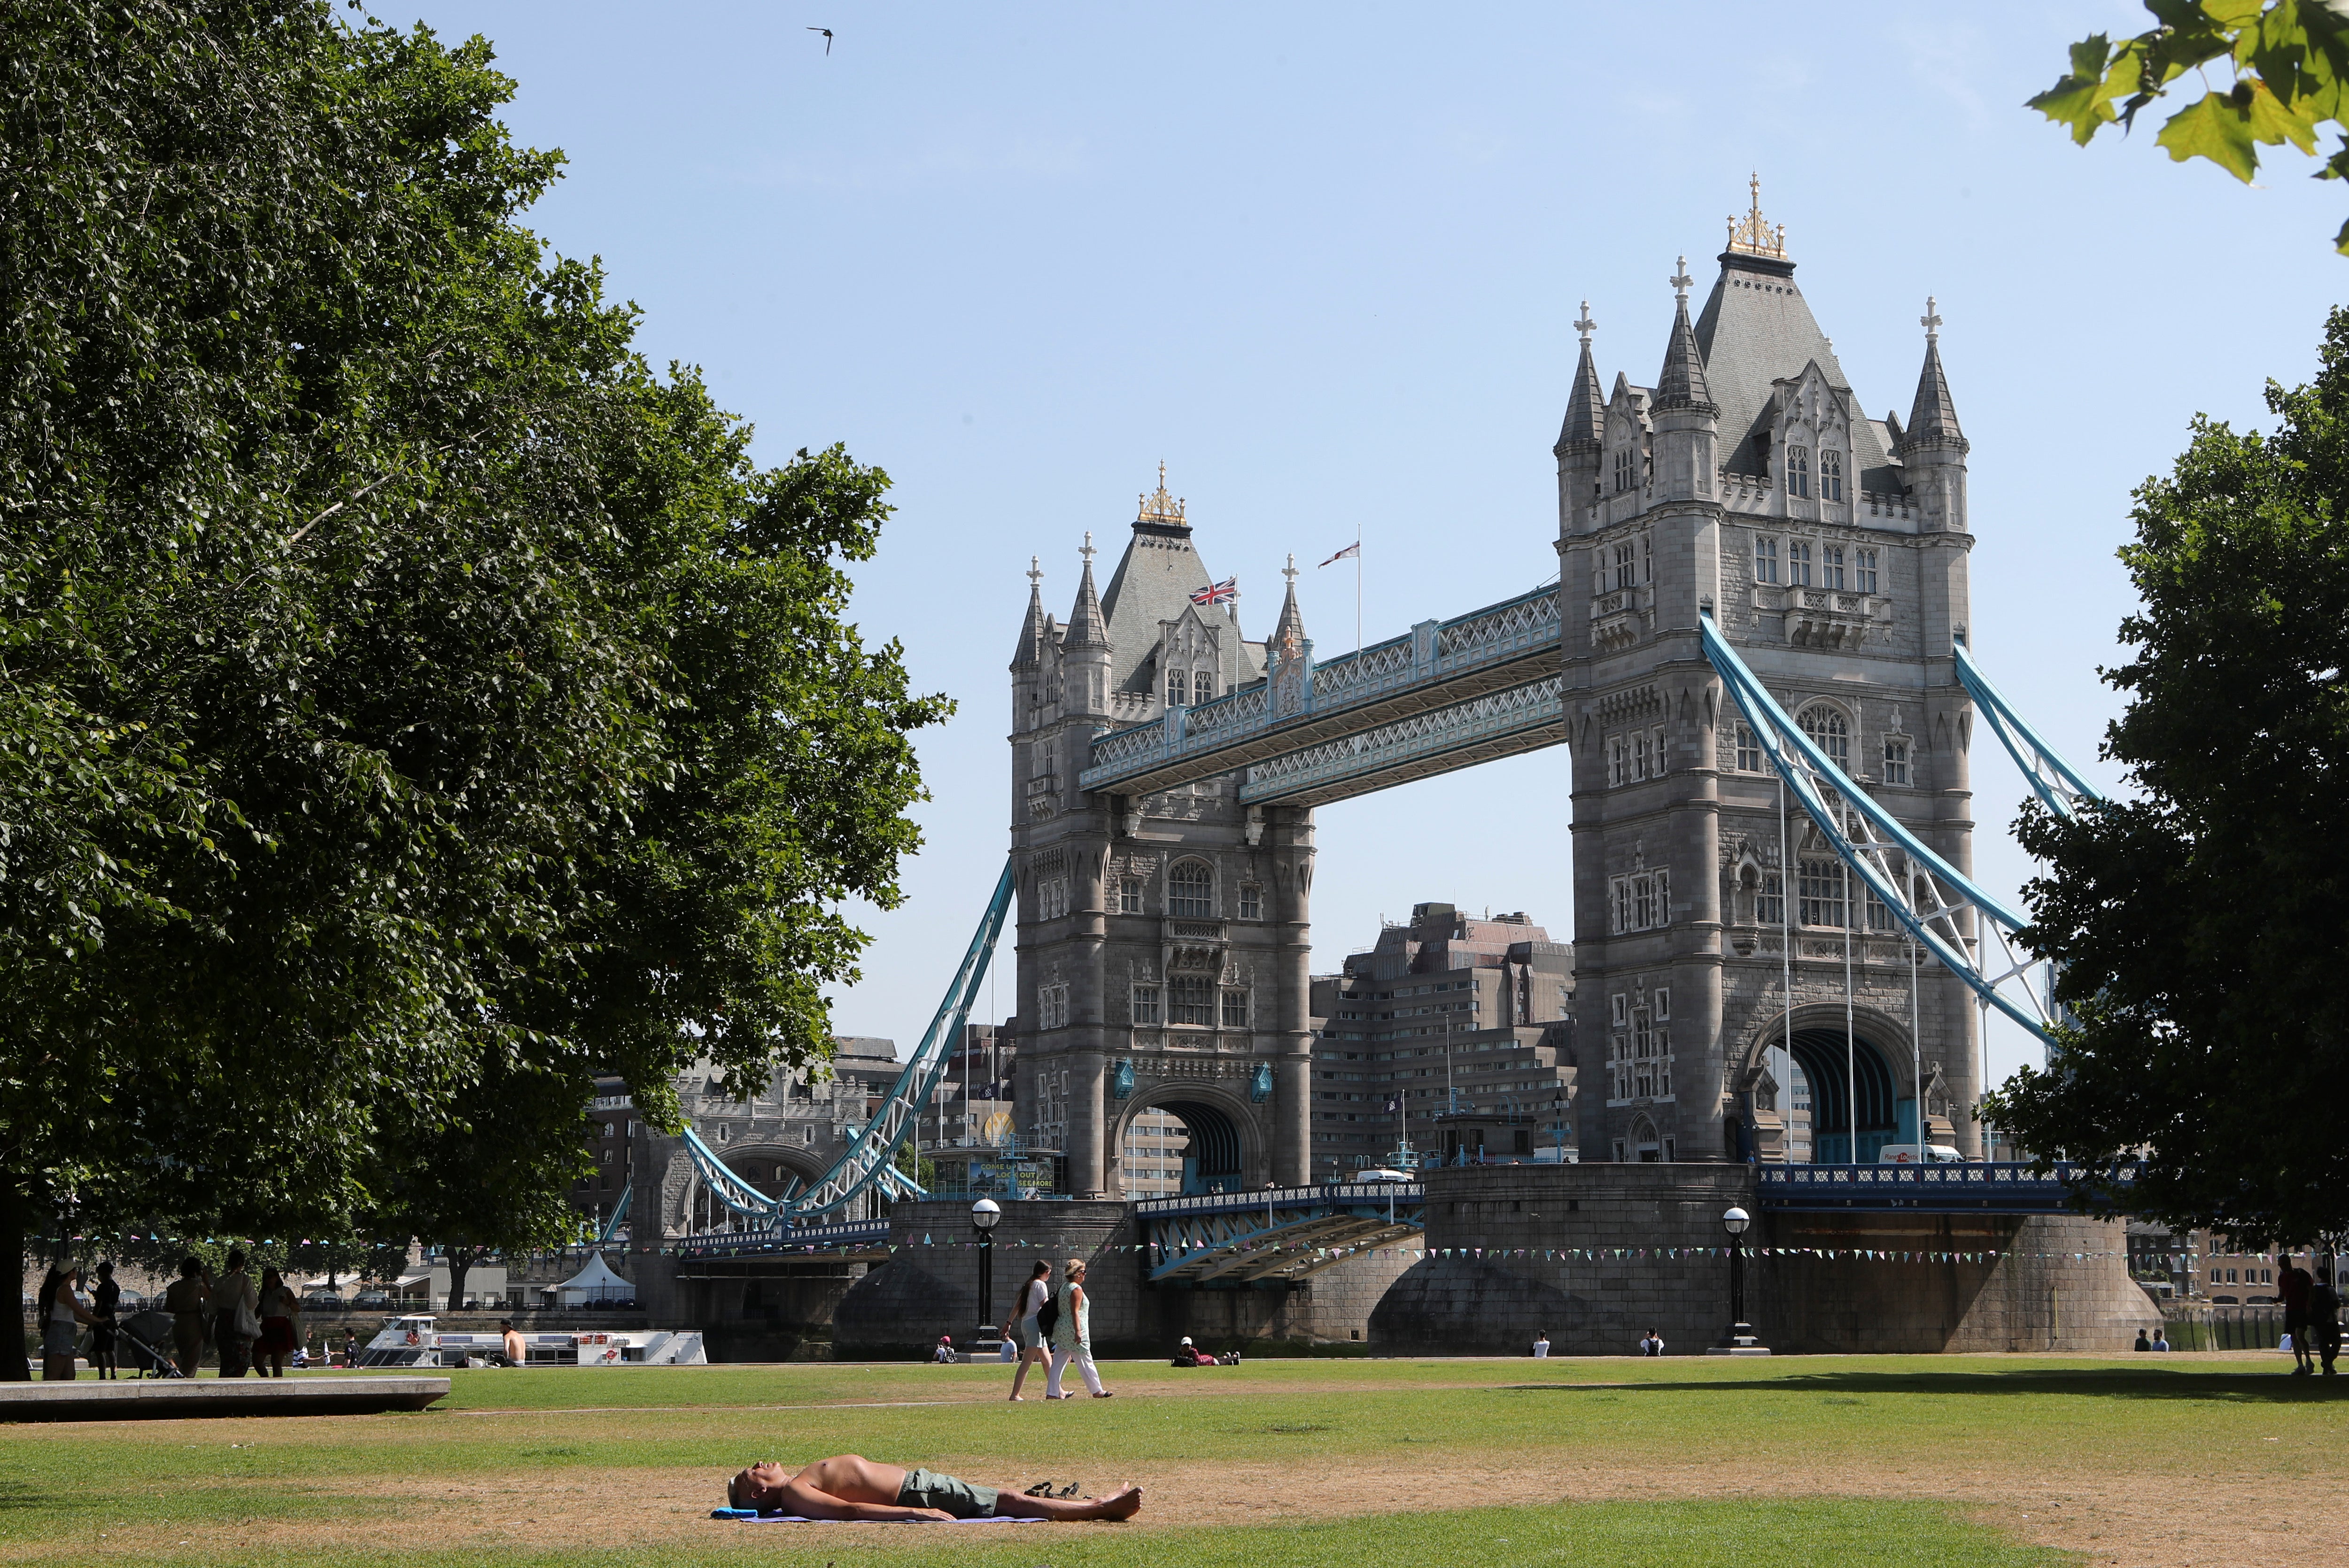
[1235, 1009]
[1641, 901]
[1879, 914]
[1129, 895]
[1178, 688]
[1051, 898]
[1749, 750]
[1190, 999]
[1619, 760]
[1647, 558]
[1831, 567]
[1798, 564]
[1251, 901]
[1191, 892]
[1819, 885]
[1830, 475]
[1765, 560]
[1052, 1006]
[1896, 762]
[1203, 687]
[1627, 470]
[1770, 902]
[1829, 732]
[1863, 574]
[1145, 1004]
[1626, 563]
[1798, 470]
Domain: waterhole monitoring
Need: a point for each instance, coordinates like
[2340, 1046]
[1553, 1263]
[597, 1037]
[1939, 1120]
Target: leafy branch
[2287, 65]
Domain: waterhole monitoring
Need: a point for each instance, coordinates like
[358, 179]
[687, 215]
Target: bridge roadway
[1447, 694]
[1224, 1239]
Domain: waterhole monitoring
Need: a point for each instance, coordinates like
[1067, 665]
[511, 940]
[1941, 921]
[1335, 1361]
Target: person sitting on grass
[849, 1486]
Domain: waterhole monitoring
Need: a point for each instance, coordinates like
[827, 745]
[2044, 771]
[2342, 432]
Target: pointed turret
[1289, 632]
[1088, 627]
[1680, 383]
[1584, 425]
[1933, 417]
[1029, 654]
[1932, 448]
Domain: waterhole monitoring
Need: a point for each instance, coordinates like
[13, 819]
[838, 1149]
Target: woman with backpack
[1073, 1336]
[1026, 1334]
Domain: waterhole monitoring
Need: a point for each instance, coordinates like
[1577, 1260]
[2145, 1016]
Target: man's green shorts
[928, 1489]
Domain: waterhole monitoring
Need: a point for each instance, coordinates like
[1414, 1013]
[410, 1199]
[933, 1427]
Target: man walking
[2293, 1285]
[2325, 1316]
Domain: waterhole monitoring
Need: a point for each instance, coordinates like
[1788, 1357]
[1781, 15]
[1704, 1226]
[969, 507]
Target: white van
[1907, 1154]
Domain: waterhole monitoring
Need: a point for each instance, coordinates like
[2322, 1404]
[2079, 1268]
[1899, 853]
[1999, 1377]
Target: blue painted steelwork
[1972, 1187]
[1925, 894]
[2055, 781]
[871, 1158]
[1279, 1234]
[619, 1213]
[778, 1237]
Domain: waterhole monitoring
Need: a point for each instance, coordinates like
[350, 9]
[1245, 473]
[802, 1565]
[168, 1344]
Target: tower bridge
[1753, 664]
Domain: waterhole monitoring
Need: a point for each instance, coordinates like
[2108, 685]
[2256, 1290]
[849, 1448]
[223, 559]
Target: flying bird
[827, 38]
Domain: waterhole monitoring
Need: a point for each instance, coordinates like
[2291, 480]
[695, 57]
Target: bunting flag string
[1320, 1252]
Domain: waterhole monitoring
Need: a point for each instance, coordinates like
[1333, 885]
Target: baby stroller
[137, 1338]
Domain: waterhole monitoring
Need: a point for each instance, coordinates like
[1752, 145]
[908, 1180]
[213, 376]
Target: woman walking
[106, 1306]
[235, 1324]
[280, 1323]
[60, 1315]
[185, 1301]
[1073, 1335]
[1024, 1332]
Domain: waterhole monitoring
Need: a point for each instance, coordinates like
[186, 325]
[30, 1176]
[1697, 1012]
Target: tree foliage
[2287, 65]
[410, 704]
[2200, 926]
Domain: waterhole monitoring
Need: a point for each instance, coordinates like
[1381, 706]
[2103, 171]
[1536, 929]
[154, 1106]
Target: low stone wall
[929, 1286]
[2053, 1283]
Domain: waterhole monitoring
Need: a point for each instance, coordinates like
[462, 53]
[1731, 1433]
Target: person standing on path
[235, 1322]
[186, 1300]
[2292, 1284]
[1024, 1332]
[1073, 1335]
[105, 1306]
[2325, 1316]
[60, 1315]
[281, 1323]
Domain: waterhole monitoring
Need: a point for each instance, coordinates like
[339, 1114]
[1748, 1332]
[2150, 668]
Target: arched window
[1798, 470]
[1829, 732]
[1830, 475]
[1178, 688]
[1191, 892]
[1203, 687]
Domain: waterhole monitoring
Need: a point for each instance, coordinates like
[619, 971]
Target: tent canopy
[597, 1281]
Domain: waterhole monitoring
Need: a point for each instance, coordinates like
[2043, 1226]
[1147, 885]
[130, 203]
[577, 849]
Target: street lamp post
[1741, 1339]
[983, 1217]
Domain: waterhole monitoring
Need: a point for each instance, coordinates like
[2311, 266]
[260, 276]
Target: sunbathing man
[848, 1486]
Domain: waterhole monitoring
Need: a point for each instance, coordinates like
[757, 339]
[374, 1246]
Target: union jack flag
[1222, 593]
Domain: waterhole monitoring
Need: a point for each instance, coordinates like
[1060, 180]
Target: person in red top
[2292, 1284]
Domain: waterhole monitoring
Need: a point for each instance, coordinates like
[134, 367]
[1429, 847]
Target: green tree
[2287, 69]
[402, 690]
[2200, 924]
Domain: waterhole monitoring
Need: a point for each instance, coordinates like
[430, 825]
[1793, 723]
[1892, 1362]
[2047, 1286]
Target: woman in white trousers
[1072, 1338]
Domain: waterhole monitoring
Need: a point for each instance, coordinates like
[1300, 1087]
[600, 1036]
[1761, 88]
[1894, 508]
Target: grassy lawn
[1893, 1460]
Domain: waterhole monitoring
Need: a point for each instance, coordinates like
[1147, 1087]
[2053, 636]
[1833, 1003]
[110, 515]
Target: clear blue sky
[1321, 260]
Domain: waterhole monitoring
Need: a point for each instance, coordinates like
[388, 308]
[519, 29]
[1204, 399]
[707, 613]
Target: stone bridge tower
[1748, 483]
[1163, 939]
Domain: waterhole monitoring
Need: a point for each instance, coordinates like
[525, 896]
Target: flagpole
[1358, 585]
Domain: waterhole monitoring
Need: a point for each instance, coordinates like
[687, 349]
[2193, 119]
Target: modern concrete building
[1451, 1030]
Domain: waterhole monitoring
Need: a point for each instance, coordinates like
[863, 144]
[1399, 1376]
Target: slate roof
[1584, 418]
[1088, 627]
[1682, 382]
[1933, 417]
[1031, 650]
[1756, 329]
[1153, 582]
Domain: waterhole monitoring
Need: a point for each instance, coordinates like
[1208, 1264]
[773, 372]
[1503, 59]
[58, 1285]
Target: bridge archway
[1220, 1146]
[1861, 1085]
[773, 1167]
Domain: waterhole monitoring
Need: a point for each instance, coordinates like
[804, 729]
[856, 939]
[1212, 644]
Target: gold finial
[1160, 507]
[1752, 235]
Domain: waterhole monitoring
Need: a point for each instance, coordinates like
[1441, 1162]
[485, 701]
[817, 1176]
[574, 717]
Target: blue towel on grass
[752, 1516]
